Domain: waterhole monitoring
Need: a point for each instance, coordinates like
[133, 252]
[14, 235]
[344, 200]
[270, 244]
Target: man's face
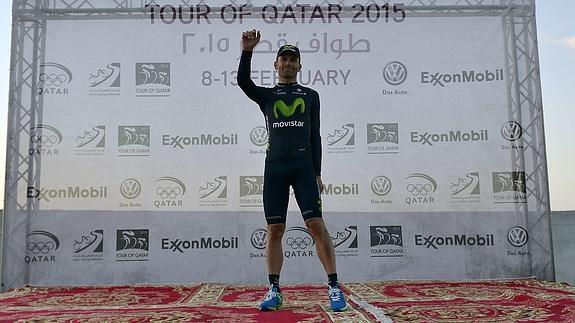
[287, 65]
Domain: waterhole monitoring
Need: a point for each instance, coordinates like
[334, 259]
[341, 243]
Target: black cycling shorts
[279, 175]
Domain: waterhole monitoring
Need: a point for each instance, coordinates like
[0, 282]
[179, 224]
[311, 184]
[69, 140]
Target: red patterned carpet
[526, 300]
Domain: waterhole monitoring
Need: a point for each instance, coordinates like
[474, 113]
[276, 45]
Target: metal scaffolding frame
[523, 86]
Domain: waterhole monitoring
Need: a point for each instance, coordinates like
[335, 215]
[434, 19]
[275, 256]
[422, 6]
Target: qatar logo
[469, 183]
[511, 131]
[299, 240]
[394, 73]
[95, 137]
[343, 136]
[218, 188]
[170, 188]
[54, 74]
[381, 185]
[44, 140]
[259, 238]
[41, 244]
[421, 187]
[108, 77]
[170, 191]
[259, 136]
[52, 78]
[347, 237]
[93, 242]
[421, 184]
[517, 236]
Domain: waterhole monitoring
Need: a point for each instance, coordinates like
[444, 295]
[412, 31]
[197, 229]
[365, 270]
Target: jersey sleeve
[315, 137]
[255, 93]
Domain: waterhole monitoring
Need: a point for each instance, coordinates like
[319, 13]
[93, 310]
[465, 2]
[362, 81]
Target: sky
[556, 37]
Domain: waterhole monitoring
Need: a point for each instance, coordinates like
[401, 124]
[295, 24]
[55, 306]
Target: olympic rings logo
[43, 140]
[168, 192]
[53, 79]
[419, 189]
[44, 242]
[298, 242]
[40, 247]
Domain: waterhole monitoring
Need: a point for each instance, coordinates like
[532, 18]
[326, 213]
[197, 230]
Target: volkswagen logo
[130, 188]
[259, 136]
[259, 239]
[381, 185]
[517, 237]
[511, 131]
[394, 73]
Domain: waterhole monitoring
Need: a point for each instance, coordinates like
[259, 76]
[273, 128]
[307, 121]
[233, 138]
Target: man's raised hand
[250, 39]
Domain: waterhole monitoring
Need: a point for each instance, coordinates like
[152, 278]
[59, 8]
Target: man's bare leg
[274, 252]
[323, 244]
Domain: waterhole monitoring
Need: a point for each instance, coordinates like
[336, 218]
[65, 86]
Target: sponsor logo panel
[184, 142]
[258, 241]
[133, 141]
[517, 239]
[105, 81]
[344, 189]
[45, 140]
[153, 80]
[465, 189]
[54, 79]
[345, 242]
[512, 132]
[421, 189]
[394, 74]
[382, 138]
[341, 140]
[259, 137]
[132, 245]
[251, 191]
[89, 247]
[214, 192]
[435, 242]
[386, 241]
[41, 247]
[177, 245]
[298, 243]
[48, 194]
[381, 187]
[466, 76]
[447, 137]
[509, 187]
[130, 189]
[91, 142]
[169, 192]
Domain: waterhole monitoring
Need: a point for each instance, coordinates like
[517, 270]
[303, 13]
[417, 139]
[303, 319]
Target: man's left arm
[315, 139]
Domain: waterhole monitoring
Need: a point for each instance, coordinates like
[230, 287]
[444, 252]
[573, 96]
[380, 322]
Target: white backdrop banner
[152, 157]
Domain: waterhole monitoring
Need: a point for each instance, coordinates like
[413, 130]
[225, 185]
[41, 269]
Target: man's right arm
[249, 40]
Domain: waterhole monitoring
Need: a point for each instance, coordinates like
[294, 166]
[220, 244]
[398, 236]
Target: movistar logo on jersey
[288, 110]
